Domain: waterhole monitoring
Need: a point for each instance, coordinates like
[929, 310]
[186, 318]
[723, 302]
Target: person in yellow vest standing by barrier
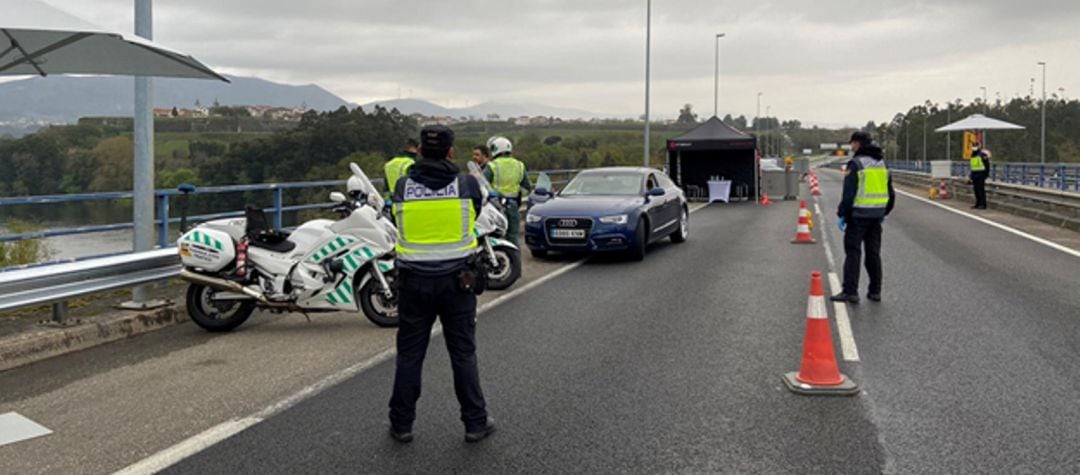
[435, 207]
[398, 166]
[509, 176]
[868, 197]
[980, 171]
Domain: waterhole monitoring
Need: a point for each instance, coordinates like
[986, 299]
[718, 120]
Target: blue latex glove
[841, 223]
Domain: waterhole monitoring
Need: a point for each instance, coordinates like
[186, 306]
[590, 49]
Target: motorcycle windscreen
[474, 170]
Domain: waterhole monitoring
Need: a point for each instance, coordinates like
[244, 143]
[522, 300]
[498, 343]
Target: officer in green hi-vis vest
[980, 171]
[868, 197]
[398, 166]
[509, 176]
[435, 207]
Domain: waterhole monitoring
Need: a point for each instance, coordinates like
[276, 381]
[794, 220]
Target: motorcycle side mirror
[338, 197]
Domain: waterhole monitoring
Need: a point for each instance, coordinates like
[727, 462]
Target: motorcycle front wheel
[508, 270]
[382, 311]
[216, 316]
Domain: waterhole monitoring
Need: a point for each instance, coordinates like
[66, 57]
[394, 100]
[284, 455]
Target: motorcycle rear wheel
[216, 316]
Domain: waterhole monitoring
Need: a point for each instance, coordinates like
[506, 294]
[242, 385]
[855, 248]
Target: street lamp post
[768, 144]
[143, 138]
[986, 111]
[716, 79]
[1042, 139]
[648, 52]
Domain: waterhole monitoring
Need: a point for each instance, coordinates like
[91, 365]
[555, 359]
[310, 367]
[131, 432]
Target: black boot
[842, 297]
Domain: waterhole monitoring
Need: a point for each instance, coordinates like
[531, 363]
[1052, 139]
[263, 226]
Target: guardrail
[57, 283]
[1060, 208]
[164, 218]
[1057, 176]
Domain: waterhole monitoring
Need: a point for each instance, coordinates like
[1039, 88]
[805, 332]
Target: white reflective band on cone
[815, 308]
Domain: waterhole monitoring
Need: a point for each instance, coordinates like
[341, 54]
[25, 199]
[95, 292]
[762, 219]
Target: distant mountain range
[27, 104]
[65, 99]
[503, 110]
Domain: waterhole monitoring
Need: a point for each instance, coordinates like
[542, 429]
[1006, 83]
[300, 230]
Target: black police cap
[436, 137]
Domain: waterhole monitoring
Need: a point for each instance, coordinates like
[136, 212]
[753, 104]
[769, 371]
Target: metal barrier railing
[1056, 176]
[163, 198]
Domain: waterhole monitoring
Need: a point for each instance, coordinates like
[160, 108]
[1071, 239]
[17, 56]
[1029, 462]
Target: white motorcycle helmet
[499, 146]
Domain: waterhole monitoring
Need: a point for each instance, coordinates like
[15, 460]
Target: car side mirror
[543, 192]
[338, 197]
[657, 192]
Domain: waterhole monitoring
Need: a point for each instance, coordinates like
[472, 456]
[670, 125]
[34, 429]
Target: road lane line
[843, 323]
[220, 432]
[825, 235]
[1050, 244]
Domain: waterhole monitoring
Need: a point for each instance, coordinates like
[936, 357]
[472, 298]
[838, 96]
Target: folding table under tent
[714, 149]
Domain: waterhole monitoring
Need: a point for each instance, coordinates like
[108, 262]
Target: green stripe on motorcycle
[384, 267]
[369, 253]
[331, 246]
[332, 299]
[341, 242]
[344, 296]
[352, 262]
[217, 245]
[206, 240]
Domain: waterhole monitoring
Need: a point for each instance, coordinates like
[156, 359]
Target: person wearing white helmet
[508, 176]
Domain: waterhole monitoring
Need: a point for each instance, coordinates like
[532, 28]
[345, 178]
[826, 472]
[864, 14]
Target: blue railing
[164, 218]
[1057, 176]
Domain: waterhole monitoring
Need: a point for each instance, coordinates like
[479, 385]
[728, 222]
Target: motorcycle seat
[271, 241]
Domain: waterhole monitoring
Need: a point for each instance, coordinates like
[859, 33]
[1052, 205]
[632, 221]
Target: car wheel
[539, 253]
[641, 240]
[683, 232]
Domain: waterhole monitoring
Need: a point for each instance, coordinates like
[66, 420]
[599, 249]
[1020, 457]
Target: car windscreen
[604, 184]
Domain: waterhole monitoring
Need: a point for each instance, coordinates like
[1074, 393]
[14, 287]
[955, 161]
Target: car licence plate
[568, 233]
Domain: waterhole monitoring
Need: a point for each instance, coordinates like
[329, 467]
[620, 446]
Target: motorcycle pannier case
[206, 249]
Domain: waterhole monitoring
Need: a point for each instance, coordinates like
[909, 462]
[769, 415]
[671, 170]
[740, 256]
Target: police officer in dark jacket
[868, 198]
[436, 208]
[980, 171]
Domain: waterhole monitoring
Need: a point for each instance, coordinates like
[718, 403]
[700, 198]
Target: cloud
[828, 61]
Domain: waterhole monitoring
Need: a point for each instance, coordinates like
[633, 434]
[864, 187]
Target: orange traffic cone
[815, 190]
[943, 190]
[765, 199]
[819, 373]
[802, 230]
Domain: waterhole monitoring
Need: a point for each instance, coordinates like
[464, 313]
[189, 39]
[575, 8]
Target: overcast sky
[825, 62]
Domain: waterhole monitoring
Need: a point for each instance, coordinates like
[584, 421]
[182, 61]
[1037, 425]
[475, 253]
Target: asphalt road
[668, 365]
[672, 364]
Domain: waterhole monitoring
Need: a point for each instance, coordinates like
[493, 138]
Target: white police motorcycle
[237, 265]
[503, 258]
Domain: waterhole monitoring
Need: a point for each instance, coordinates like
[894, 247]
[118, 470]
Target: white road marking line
[825, 236]
[199, 442]
[15, 427]
[843, 324]
[1050, 244]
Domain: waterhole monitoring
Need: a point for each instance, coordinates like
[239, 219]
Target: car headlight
[617, 219]
[532, 218]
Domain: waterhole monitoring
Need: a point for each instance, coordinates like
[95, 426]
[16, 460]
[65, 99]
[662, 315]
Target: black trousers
[421, 299]
[862, 233]
[978, 181]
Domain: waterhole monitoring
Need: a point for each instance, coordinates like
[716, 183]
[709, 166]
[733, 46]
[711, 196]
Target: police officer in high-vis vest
[980, 171]
[435, 207]
[868, 198]
[398, 166]
[508, 175]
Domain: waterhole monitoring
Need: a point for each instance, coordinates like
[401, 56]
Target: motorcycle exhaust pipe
[227, 285]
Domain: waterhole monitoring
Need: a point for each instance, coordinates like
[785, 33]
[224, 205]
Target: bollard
[59, 312]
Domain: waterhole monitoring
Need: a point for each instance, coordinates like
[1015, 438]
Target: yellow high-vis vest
[873, 192]
[395, 169]
[508, 172]
[434, 225]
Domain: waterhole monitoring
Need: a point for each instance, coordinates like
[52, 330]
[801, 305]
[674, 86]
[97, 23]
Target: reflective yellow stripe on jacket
[508, 172]
[395, 169]
[873, 189]
[434, 225]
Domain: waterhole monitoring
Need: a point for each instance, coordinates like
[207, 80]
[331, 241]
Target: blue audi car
[608, 209]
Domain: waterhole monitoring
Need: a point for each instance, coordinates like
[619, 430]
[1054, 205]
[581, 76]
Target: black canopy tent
[714, 149]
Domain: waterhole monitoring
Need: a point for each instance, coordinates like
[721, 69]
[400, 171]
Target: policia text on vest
[435, 207]
[867, 198]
